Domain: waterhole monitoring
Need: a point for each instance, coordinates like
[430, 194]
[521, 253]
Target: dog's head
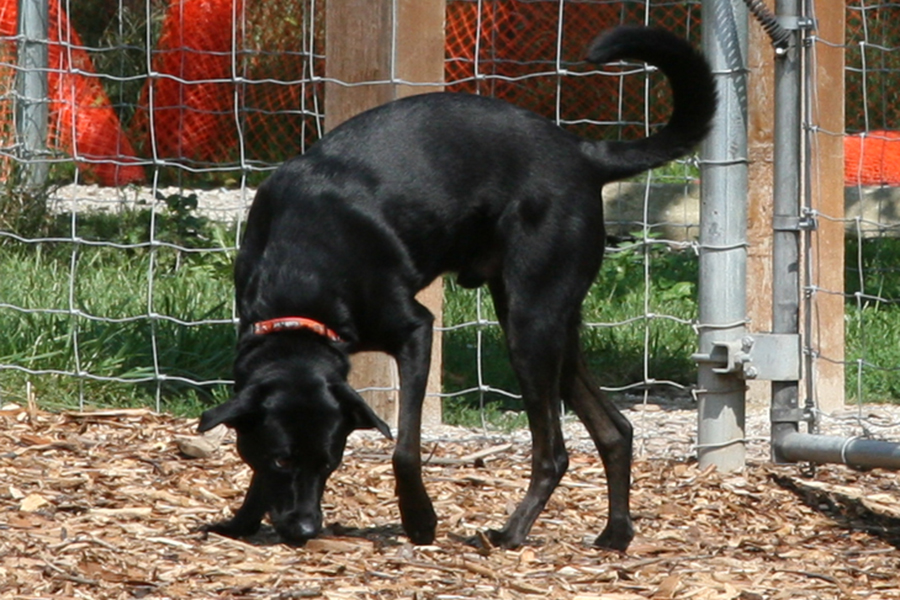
[292, 422]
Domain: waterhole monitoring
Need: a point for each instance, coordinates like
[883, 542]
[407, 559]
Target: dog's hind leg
[413, 358]
[612, 434]
[536, 352]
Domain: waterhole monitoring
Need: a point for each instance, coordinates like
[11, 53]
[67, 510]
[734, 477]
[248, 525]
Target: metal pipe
[32, 97]
[785, 411]
[827, 449]
[723, 243]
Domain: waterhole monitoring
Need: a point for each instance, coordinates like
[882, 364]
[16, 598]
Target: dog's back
[466, 143]
[443, 171]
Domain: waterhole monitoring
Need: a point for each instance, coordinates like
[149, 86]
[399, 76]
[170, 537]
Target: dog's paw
[481, 541]
[230, 529]
[492, 538]
[421, 536]
[420, 525]
[615, 538]
[503, 539]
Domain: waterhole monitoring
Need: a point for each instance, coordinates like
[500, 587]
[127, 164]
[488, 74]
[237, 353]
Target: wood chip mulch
[105, 505]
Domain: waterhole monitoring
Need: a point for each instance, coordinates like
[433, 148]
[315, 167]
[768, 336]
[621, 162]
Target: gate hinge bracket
[765, 356]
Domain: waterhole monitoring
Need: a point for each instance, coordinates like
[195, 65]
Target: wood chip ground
[104, 505]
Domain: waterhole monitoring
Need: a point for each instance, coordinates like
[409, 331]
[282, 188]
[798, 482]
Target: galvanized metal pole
[32, 93]
[785, 409]
[723, 244]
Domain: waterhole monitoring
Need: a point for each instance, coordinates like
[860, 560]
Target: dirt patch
[103, 505]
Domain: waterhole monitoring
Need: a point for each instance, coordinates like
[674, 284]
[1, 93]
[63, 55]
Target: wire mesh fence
[122, 294]
[868, 219]
[115, 280]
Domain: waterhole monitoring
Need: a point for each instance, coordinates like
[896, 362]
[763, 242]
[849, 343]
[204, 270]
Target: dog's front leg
[413, 362]
[248, 517]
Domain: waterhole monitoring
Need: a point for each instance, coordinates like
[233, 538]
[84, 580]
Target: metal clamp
[794, 223]
[794, 414]
[730, 357]
[797, 23]
[765, 356]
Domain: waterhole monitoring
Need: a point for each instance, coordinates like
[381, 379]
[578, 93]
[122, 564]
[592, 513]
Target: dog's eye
[282, 463]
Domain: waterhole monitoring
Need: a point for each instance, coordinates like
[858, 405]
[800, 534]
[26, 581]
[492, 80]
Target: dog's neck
[293, 323]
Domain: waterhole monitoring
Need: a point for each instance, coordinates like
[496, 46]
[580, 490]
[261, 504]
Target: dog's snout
[298, 529]
[306, 530]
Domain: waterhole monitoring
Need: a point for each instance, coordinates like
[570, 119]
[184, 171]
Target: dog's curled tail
[693, 90]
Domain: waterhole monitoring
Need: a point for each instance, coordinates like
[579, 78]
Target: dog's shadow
[380, 536]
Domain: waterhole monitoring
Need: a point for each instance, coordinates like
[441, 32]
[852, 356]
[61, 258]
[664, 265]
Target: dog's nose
[299, 530]
[307, 529]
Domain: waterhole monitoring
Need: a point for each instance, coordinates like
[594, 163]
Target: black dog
[339, 241]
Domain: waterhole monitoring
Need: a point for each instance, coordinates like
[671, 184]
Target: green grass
[615, 353]
[872, 320]
[102, 297]
[118, 347]
[122, 348]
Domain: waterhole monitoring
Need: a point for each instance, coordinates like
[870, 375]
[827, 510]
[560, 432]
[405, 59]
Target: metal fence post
[785, 411]
[723, 244]
[32, 92]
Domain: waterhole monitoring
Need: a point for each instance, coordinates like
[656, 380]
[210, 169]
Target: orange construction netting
[282, 110]
[513, 45]
[206, 43]
[509, 49]
[529, 53]
[82, 120]
[872, 158]
[194, 94]
[7, 105]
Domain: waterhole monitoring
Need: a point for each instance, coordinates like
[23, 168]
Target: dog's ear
[361, 414]
[228, 412]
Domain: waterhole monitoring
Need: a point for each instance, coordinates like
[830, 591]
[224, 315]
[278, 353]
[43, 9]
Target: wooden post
[826, 335]
[373, 41]
[761, 150]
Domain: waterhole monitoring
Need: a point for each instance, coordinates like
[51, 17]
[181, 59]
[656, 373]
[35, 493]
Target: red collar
[288, 323]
